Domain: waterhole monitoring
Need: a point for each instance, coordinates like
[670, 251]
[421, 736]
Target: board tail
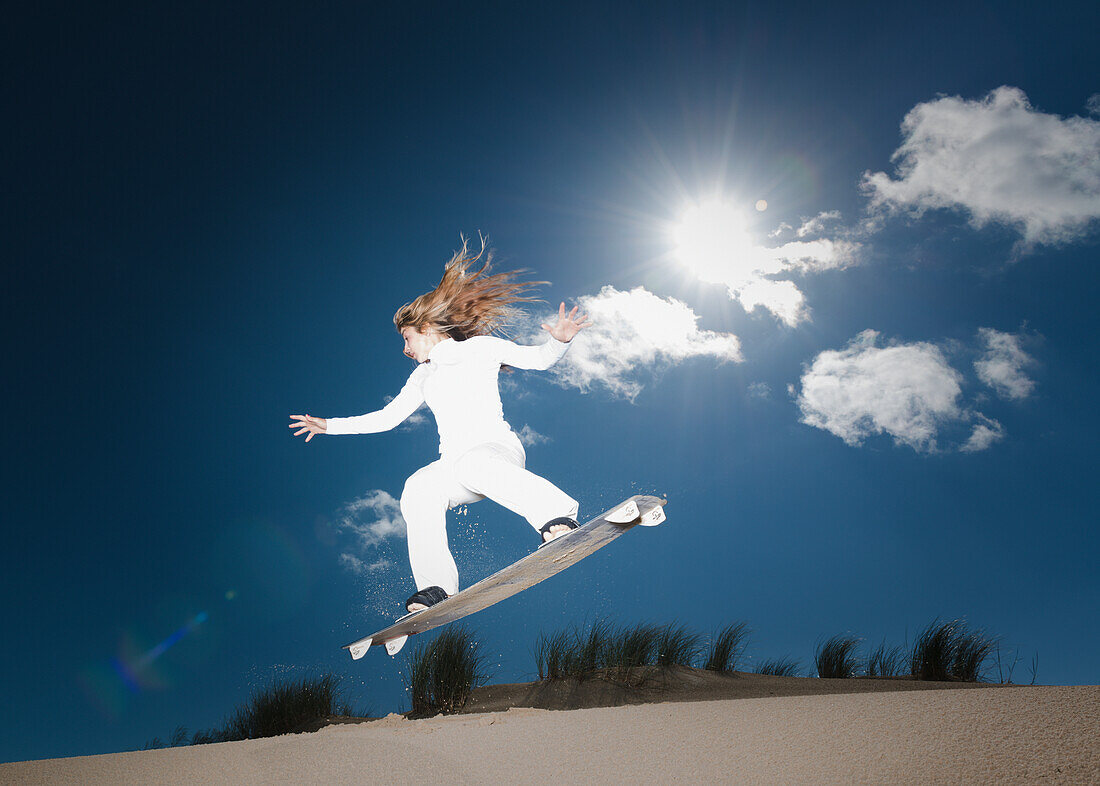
[624, 514]
[652, 517]
[393, 646]
[359, 648]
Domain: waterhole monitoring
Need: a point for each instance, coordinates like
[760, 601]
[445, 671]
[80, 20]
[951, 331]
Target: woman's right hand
[308, 423]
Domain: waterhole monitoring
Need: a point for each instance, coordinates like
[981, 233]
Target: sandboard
[549, 559]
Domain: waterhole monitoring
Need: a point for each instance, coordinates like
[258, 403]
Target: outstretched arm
[404, 404]
[542, 357]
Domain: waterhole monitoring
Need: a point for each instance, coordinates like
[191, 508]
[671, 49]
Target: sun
[711, 240]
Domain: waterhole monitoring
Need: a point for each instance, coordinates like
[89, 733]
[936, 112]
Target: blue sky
[872, 408]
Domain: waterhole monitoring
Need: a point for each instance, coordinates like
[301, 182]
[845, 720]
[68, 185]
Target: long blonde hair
[467, 301]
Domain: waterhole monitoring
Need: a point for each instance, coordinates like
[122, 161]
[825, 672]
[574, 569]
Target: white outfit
[480, 455]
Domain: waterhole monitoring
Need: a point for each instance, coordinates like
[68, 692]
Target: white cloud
[372, 518]
[985, 433]
[1003, 363]
[816, 225]
[415, 420]
[1093, 104]
[528, 436]
[634, 335]
[782, 298]
[356, 565]
[783, 229]
[1001, 161]
[907, 391]
[711, 242]
[760, 390]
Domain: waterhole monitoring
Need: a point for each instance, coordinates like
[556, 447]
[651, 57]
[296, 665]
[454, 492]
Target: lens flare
[135, 670]
[161, 648]
[108, 683]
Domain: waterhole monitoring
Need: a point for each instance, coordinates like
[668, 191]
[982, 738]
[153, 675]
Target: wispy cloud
[1001, 161]
[906, 391]
[356, 565]
[528, 436]
[760, 390]
[413, 421]
[634, 336]
[372, 518]
[1002, 364]
[818, 223]
[986, 432]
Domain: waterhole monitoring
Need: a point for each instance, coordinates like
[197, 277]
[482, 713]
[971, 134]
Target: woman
[447, 331]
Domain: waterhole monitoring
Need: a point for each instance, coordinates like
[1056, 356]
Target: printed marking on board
[393, 646]
[624, 515]
[653, 517]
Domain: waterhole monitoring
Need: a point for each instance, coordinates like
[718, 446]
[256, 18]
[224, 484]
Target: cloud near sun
[635, 335]
[710, 240]
[909, 392]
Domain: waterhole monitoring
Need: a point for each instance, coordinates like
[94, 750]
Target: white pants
[494, 470]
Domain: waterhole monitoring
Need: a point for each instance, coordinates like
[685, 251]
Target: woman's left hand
[567, 326]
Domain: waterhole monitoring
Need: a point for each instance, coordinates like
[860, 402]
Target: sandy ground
[1014, 735]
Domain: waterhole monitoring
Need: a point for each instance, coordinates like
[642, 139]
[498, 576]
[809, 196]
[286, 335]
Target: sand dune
[999, 735]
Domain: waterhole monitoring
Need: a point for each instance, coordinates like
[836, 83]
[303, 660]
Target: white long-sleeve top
[459, 384]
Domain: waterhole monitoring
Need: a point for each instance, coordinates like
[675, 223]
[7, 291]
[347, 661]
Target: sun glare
[711, 240]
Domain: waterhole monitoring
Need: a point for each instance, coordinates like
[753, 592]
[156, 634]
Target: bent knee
[418, 488]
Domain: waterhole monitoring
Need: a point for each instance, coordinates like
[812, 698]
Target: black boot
[554, 523]
[429, 596]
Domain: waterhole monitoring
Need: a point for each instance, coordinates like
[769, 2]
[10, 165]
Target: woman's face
[417, 344]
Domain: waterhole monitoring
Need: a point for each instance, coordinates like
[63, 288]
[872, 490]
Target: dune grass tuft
[280, 708]
[727, 648]
[618, 654]
[883, 662]
[208, 736]
[285, 707]
[576, 653]
[949, 652]
[580, 653]
[441, 675]
[621, 654]
[676, 646]
[590, 652]
[779, 667]
[552, 655]
[970, 655]
[835, 657]
[628, 650]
